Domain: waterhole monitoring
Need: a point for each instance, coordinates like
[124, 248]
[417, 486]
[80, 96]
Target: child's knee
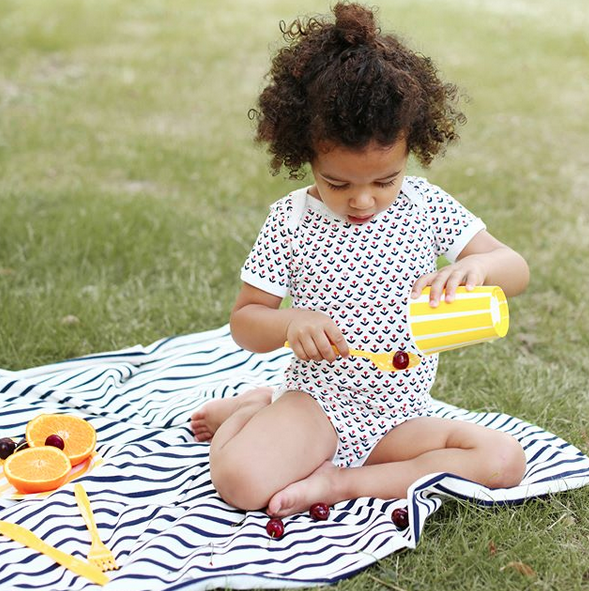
[238, 484]
[510, 461]
[235, 488]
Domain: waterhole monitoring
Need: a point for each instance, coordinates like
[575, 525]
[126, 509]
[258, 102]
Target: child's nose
[362, 200]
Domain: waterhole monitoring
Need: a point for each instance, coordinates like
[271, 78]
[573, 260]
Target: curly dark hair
[346, 83]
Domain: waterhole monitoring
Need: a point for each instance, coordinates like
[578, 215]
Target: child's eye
[387, 184]
[345, 185]
[336, 187]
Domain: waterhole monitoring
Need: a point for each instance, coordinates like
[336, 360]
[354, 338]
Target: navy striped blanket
[152, 494]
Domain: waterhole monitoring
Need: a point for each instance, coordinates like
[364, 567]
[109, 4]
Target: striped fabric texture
[152, 494]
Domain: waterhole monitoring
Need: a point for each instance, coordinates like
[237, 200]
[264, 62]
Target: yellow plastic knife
[28, 538]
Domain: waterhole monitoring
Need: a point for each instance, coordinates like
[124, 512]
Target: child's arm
[258, 324]
[483, 261]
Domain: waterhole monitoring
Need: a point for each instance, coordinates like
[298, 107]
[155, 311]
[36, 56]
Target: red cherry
[400, 360]
[319, 511]
[401, 518]
[275, 527]
[55, 441]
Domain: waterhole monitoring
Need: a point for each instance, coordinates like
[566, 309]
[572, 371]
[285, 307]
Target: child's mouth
[360, 220]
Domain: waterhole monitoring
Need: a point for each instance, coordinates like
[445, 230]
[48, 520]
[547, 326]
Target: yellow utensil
[99, 554]
[384, 361]
[28, 538]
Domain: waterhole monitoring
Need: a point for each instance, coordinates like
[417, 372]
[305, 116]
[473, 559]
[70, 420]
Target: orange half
[37, 469]
[78, 435]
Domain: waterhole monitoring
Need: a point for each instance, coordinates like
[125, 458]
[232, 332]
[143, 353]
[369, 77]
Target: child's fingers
[325, 348]
[298, 350]
[454, 280]
[320, 342]
[338, 341]
[443, 283]
[302, 347]
[312, 347]
[422, 282]
[319, 347]
[316, 347]
[472, 280]
[437, 288]
[315, 338]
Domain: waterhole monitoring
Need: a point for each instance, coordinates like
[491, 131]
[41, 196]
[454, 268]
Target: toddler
[351, 250]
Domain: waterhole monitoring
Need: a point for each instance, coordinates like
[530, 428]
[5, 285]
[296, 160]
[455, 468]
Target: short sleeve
[452, 224]
[268, 264]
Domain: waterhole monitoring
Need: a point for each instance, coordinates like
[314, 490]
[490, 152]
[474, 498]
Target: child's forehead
[372, 160]
[331, 152]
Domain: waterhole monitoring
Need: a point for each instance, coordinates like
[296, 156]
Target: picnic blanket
[152, 494]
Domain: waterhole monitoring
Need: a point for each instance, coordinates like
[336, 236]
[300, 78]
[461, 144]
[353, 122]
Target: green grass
[130, 193]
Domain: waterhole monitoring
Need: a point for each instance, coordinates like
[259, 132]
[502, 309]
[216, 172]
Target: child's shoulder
[286, 202]
[421, 192]
[419, 184]
[288, 209]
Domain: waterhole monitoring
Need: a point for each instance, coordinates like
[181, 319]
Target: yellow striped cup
[473, 317]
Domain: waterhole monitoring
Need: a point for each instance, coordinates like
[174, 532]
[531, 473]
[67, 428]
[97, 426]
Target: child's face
[358, 184]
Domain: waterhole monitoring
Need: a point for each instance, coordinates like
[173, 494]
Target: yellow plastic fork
[99, 554]
[384, 361]
[22, 535]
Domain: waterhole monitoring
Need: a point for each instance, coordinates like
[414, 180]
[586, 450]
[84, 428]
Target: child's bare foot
[206, 420]
[318, 487]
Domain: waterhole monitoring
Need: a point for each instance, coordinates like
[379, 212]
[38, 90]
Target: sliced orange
[78, 435]
[37, 469]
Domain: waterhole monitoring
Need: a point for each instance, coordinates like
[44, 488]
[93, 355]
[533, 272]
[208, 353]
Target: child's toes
[197, 415]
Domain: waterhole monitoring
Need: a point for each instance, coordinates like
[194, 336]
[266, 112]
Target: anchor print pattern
[361, 275]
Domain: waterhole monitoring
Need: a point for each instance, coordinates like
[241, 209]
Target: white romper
[361, 275]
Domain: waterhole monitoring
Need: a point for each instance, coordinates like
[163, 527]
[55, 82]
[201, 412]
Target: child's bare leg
[257, 452]
[207, 419]
[248, 405]
[412, 450]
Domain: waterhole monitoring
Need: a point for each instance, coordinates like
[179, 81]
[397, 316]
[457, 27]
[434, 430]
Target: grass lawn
[131, 192]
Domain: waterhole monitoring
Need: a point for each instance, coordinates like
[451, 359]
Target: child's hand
[311, 335]
[470, 272]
